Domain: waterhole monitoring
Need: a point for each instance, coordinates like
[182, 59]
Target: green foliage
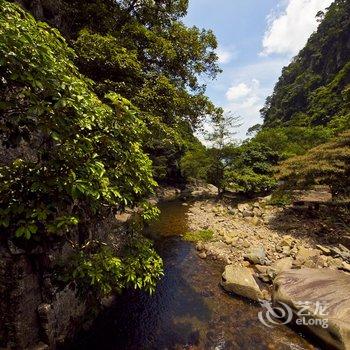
[249, 182]
[149, 211]
[222, 147]
[281, 197]
[73, 155]
[201, 235]
[196, 163]
[327, 164]
[314, 88]
[145, 53]
[293, 140]
[103, 272]
[251, 170]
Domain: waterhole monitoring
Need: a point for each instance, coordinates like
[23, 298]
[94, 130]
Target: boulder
[282, 265]
[341, 252]
[307, 256]
[199, 191]
[314, 286]
[202, 255]
[346, 266]
[240, 280]
[200, 246]
[257, 255]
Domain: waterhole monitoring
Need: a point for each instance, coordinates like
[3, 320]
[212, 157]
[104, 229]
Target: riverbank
[293, 256]
[256, 233]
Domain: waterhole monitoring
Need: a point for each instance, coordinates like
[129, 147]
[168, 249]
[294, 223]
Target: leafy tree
[327, 164]
[252, 170]
[67, 157]
[197, 162]
[142, 50]
[222, 147]
[293, 140]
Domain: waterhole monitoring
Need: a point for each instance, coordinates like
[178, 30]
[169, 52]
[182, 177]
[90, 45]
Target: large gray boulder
[315, 286]
[240, 280]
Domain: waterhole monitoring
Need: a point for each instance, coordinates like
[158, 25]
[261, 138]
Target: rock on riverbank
[298, 253]
[295, 288]
[259, 235]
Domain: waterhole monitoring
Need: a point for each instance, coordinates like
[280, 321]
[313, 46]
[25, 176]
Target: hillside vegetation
[305, 121]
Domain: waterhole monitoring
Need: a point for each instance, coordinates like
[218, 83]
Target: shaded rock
[200, 246]
[261, 269]
[345, 240]
[240, 280]
[341, 253]
[332, 288]
[248, 213]
[40, 346]
[14, 249]
[199, 191]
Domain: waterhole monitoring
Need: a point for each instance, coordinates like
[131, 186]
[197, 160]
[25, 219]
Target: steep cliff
[314, 88]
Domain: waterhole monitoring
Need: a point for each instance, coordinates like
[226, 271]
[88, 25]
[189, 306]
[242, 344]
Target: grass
[200, 235]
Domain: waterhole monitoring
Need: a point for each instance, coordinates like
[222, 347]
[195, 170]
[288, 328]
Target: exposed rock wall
[36, 311]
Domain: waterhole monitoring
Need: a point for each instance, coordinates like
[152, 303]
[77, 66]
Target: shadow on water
[189, 310]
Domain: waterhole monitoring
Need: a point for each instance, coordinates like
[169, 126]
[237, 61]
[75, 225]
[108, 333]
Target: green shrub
[103, 272]
[201, 235]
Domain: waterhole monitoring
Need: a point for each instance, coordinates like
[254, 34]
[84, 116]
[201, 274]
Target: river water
[189, 309]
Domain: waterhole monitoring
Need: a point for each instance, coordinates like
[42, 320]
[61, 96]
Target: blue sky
[256, 39]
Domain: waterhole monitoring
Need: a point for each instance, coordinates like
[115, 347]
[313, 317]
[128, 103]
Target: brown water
[189, 309]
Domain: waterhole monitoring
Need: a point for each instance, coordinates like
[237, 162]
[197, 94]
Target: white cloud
[246, 99]
[237, 91]
[287, 32]
[225, 55]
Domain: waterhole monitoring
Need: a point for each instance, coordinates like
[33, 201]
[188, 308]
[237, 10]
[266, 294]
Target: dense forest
[94, 112]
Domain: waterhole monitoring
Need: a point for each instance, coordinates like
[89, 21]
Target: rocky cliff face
[37, 310]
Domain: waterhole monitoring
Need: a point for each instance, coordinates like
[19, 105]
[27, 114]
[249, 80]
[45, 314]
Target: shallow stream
[189, 309]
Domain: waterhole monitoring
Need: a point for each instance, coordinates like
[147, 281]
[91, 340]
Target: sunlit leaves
[85, 155]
